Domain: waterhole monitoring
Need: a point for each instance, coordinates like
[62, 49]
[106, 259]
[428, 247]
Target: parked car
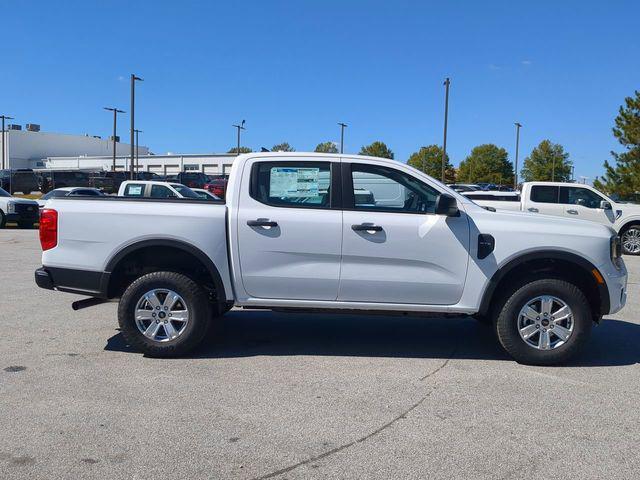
[292, 235]
[151, 189]
[69, 192]
[19, 180]
[52, 179]
[463, 187]
[217, 185]
[205, 194]
[573, 200]
[19, 210]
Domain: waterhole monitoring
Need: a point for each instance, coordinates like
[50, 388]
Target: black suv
[52, 179]
[20, 180]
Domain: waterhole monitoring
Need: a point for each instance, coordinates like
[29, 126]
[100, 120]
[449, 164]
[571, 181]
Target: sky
[294, 69]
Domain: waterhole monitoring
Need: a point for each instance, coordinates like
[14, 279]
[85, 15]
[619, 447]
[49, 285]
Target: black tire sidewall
[196, 301]
[3, 220]
[507, 322]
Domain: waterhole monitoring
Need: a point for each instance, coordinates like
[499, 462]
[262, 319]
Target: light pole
[239, 127]
[446, 84]
[137, 150]
[115, 123]
[342, 127]
[515, 177]
[133, 125]
[4, 146]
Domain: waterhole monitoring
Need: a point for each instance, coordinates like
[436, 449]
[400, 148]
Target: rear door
[290, 229]
[544, 199]
[395, 249]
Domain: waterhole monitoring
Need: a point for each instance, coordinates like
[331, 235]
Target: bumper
[21, 217]
[82, 282]
[617, 285]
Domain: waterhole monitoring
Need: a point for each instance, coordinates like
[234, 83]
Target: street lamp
[115, 115]
[446, 84]
[515, 178]
[137, 149]
[342, 127]
[133, 125]
[239, 127]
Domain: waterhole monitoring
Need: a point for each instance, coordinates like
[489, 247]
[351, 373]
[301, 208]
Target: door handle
[572, 212]
[533, 210]
[262, 223]
[364, 227]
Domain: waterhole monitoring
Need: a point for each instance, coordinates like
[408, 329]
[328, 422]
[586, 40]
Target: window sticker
[294, 182]
[134, 190]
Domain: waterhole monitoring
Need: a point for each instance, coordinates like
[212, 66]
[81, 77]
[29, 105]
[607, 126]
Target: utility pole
[239, 127]
[553, 170]
[115, 123]
[137, 150]
[515, 177]
[4, 145]
[342, 127]
[447, 82]
[133, 125]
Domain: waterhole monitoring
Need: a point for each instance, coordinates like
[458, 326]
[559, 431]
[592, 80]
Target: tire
[3, 219]
[171, 337]
[557, 351]
[630, 238]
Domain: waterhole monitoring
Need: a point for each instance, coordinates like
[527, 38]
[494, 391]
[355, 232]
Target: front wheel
[545, 322]
[630, 239]
[164, 314]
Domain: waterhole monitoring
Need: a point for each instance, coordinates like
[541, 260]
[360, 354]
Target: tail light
[48, 228]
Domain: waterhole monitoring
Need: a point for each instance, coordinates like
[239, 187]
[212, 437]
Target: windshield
[186, 192]
[4, 193]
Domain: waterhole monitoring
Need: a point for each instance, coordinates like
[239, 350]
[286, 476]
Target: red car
[217, 185]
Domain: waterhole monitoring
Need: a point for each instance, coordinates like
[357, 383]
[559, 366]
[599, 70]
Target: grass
[31, 196]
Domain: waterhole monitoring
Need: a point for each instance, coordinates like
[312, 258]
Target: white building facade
[30, 148]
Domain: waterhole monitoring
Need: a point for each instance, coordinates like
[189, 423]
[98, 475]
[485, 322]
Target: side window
[160, 191]
[134, 190]
[291, 184]
[580, 196]
[388, 190]
[544, 194]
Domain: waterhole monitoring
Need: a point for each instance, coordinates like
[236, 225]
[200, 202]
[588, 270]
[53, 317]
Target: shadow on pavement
[245, 334]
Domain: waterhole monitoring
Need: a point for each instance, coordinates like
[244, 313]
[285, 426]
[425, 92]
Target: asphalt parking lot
[303, 396]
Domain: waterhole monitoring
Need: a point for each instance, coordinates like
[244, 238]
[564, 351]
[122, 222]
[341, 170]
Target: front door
[583, 203]
[289, 230]
[395, 249]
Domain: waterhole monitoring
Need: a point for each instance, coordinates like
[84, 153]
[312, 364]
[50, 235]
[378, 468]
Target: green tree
[623, 178]
[283, 147]
[377, 149]
[546, 163]
[242, 150]
[429, 160]
[486, 163]
[326, 147]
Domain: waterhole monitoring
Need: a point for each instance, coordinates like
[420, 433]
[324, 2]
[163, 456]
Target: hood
[23, 201]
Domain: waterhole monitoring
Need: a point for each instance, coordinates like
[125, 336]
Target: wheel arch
[550, 261]
[146, 247]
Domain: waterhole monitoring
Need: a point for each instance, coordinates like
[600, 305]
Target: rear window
[545, 193]
[134, 190]
[292, 184]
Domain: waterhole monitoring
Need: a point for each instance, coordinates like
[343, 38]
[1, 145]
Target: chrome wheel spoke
[546, 305]
[171, 299]
[143, 314]
[180, 315]
[170, 331]
[152, 330]
[528, 331]
[153, 299]
[561, 332]
[530, 313]
[544, 340]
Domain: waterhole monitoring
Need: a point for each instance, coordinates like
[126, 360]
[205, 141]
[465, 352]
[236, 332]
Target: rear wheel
[164, 314]
[631, 240]
[545, 322]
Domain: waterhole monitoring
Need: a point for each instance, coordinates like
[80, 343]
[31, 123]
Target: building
[30, 147]
[169, 164]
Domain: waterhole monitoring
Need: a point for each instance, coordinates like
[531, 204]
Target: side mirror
[605, 205]
[447, 205]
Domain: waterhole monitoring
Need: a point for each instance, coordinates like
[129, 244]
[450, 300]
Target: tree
[242, 150]
[429, 160]
[377, 149]
[486, 163]
[327, 147]
[623, 179]
[283, 147]
[547, 162]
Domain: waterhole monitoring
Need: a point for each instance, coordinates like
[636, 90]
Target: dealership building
[29, 147]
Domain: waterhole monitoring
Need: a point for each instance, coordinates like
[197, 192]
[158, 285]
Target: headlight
[11, 207]
[616, 251]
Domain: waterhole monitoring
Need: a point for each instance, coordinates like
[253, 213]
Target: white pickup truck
[571, 200]
[297, 232]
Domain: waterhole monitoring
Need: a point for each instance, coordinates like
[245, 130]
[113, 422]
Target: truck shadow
[253, 333]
